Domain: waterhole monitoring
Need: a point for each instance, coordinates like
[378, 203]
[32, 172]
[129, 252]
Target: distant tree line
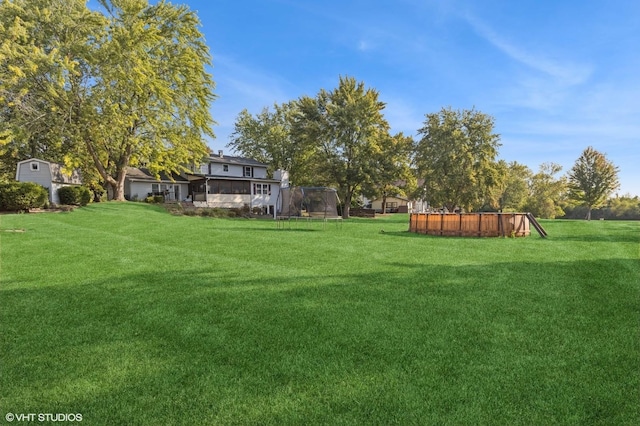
[340, 138]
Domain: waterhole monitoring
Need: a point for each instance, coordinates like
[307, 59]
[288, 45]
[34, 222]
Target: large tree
[44, 44]
[592, 180]
[122, 87]
[267, 137]
[347, 128]
[395, 176]
[547, 191]
[513, 189]
[456, 157]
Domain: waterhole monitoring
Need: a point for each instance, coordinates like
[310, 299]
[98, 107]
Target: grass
[128, 315]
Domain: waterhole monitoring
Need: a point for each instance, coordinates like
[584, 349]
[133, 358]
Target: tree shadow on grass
[257, 229]
[404, 342]
[611, 237]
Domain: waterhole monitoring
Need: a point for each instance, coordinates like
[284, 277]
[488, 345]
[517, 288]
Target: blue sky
[557, 76]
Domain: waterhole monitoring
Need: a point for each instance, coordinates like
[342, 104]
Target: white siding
[235, 170]
[259, 173]
[42, 176]
[218, 170]
[377, 204]
[53, 192]
[258, 200]
[228, 201]
[140, 190]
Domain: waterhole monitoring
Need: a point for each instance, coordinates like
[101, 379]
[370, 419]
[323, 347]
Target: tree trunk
[589, 213]
[116, 185]
[118, 191]
[347, 205]
[118, 194]
[384, 203]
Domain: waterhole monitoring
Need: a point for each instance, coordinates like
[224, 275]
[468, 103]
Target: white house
[234, 182]
[140, 183]
[394, 204]
[50, 175]
[220, 181]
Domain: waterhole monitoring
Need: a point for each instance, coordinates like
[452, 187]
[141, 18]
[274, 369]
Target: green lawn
[128, 315]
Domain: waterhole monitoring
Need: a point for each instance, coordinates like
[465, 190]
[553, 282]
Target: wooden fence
[470, 224]
[358, 212]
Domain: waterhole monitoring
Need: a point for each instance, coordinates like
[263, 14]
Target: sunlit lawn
[128, 315]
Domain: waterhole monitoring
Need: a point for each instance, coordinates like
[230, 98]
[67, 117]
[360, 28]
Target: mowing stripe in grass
[121, 311]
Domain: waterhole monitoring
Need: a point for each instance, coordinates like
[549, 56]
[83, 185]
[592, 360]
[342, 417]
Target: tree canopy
[513, 186]
[456, 157]
[267, 137]
[123, 87]
[592, 180]
[347, 129]
[394, 176]
[547, 191]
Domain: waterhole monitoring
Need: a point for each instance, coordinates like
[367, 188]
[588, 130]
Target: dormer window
[34, 166]
[225, 167]
[248, 171]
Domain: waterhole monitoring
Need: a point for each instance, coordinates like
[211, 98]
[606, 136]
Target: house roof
[241, 161]
[199, 177]
[143, 174]
[397, 197]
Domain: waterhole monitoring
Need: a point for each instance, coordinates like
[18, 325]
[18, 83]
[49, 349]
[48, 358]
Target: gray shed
[49, 175]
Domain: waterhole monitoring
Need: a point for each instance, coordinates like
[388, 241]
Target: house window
[160, 189]
[225, 167]
[229, 187]
[248, 171]
[261, 189]
[35, 166]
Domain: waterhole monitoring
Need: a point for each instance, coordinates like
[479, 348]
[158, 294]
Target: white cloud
[364, 46]
[564, 72]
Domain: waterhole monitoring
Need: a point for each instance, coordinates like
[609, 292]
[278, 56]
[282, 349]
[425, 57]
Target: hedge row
[22, 196]
[74, 195]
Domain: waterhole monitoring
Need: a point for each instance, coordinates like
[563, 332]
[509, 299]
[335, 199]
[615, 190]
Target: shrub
[84, 195]
[22, 196]
[67, 195]
[154, 199]
[74, 195]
